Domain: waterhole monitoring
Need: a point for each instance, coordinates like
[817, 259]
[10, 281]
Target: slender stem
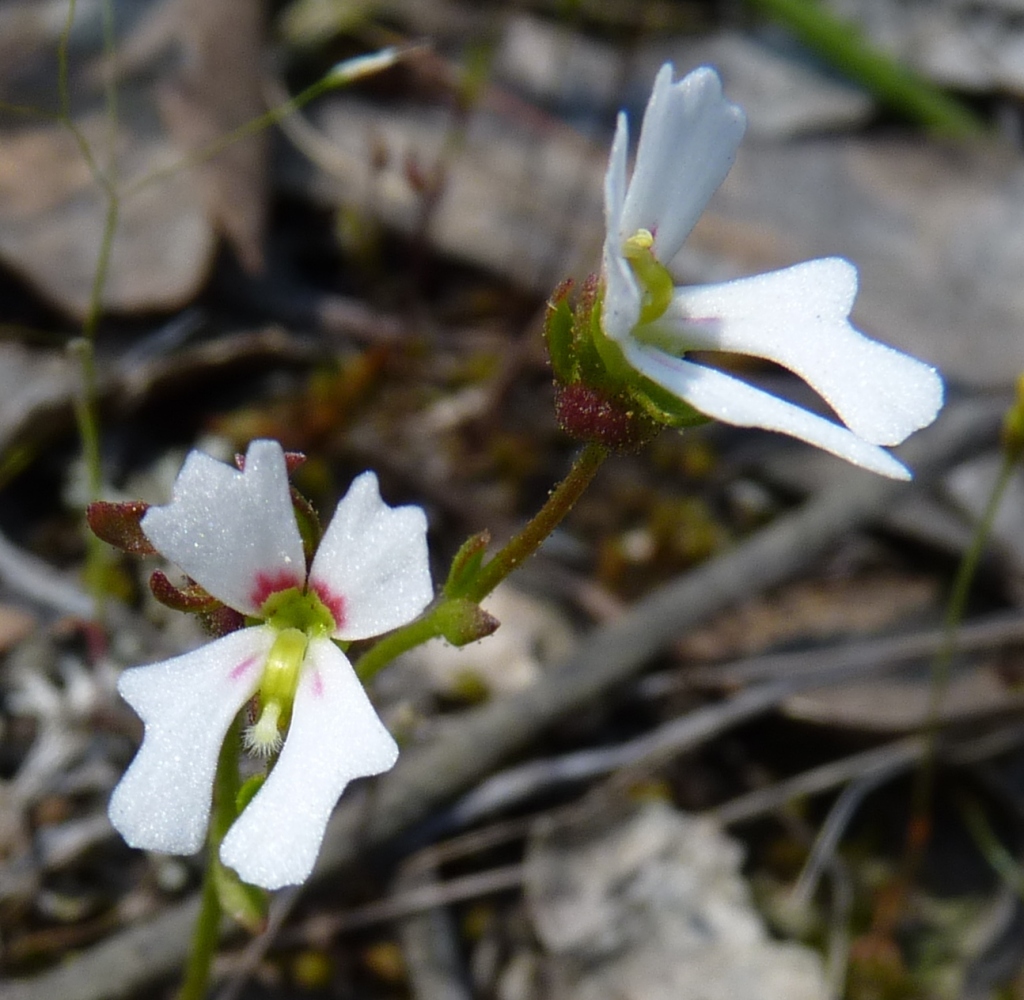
[400, 641]
[924, 784]
[558, 504]
[519, 548]
[992, 848]
[342, 75]
[204, 941]
[206, 932]
[83, 349]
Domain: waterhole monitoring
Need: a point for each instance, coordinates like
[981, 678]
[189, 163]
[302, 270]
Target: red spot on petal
[243, 668]
[318, 685]
[334, 603]
[270, 583]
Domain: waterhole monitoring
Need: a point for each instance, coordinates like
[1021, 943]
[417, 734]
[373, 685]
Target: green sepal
[462, 621]
[466, 565]
[246, 904]
[558, 332]
[664, 407]
[248, 791]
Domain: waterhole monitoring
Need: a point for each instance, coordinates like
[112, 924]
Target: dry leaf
[53, 212]
[218, 90]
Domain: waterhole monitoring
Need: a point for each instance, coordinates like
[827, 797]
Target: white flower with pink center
[797, 317]
[236, 535]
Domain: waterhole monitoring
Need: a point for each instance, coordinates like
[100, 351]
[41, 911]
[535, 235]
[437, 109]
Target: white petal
[798, 318]
[621, 305]
[620, 309]
[688, 141]
[233, 532]
[615, 178]
[334, 736]
[371, 568]
[187, 703]
[721, 396]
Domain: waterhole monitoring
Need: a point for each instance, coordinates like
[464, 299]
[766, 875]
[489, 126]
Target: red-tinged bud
[462, 621]
[221, 621]
[191, 598]
[587, 414]
[119, 524]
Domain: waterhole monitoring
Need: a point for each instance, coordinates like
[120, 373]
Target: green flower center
[652, 275]
[297, 616]
[297, 609]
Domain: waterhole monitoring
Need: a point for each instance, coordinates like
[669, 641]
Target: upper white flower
[235, 533]
[797, 317]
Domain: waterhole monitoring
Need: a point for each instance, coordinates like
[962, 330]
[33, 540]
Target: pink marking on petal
[267, 584]
[318, 685]
[334, 603]
[242, 668]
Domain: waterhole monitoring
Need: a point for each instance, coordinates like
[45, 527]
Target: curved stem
[430, 624]
[558, 504]
[400, 641]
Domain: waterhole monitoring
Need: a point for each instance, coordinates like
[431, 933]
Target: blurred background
[689, 763]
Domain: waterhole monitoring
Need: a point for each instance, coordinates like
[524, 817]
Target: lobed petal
[335, 736]
[688, 141]
[798, 317]
[372, 568]
[187, 704]
[726, 398]
[233, 532]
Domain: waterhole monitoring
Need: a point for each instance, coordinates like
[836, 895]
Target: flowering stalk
[641, 349]
[287, 600]
[443, 618]
[205, 933]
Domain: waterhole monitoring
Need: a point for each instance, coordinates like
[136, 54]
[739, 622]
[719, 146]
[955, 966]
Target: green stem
[558, 504]
[1005, 865]
[895, 86]
[924, 784]
[330, 81]
[400, 641]
[83, 349]
[204, 941]
[429, 625]
[206, 932]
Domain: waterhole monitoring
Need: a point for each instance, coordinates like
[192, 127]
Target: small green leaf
[245, 904]
[466, 564]
[248, 791]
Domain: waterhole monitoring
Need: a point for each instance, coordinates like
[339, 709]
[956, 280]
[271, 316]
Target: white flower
[797, 317]
[235, 533]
